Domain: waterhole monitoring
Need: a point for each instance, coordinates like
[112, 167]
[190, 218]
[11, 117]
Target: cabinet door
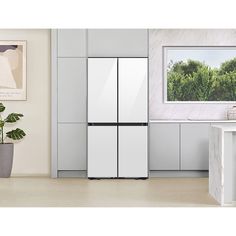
[194, 146]
[102, 90]
[72, 43]
[102, 151]
[133, 152]
[71, 90]
[164, 146]
[72, 146]
[117, 42]
[133, 81]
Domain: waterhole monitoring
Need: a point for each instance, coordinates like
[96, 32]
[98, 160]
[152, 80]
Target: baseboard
[178, 173]
[72, 173]
[30, 175]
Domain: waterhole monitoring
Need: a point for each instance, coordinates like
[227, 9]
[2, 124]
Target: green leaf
[13, 117]
[2, 108]
[1, 123]
[16, 134]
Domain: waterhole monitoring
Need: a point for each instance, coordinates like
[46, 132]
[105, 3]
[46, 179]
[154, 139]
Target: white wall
[32, 155]
[182, 37]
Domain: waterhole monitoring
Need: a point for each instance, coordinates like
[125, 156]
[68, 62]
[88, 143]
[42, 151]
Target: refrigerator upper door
[133, 90]
[133, 152]
[102, 90]
[102, 151]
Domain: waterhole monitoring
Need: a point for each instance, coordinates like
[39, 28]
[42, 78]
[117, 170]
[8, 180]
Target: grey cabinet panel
[164, 146]
[72, 43]
[72, 90]
[194, 146]
[72, 146]
[117, 43]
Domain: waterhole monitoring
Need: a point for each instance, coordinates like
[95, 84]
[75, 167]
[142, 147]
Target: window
[199, 74]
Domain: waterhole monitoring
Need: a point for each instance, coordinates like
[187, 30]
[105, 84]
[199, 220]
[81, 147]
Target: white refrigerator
[117, 118]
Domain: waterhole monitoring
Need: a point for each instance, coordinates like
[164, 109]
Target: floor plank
[72, 192]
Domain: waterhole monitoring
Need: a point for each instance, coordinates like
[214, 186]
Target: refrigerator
[117, 118]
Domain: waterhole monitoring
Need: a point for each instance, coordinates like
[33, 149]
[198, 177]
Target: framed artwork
[12, 70]
[199, 74]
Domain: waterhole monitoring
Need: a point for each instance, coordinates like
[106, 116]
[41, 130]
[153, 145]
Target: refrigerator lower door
[102, 151]
[133, 152]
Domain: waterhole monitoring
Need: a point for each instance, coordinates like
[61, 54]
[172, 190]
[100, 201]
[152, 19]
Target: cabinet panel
[102, 90]
[71, 90]
[133, 89]
[164, 146]
[72, 43]
[102, 151]
[194, 146]
[72, 146]
[117, 43]
[133, 152]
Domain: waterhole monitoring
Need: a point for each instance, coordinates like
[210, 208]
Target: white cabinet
[194, 146]
[164, 146]
[72, 146]
[102, 90]
[133, 152]
[133, 83]
[102, 151]
[72, 90]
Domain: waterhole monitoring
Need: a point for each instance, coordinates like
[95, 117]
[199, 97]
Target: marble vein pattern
[216, 164]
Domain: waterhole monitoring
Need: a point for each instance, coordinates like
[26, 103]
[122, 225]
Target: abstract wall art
[12, 70]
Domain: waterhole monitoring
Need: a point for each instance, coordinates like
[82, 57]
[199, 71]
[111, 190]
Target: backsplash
[183, 37]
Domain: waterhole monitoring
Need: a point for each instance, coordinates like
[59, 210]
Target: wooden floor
[67, 192]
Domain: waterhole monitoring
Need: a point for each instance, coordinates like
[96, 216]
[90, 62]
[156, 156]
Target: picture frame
[208, 50]
[13, 77]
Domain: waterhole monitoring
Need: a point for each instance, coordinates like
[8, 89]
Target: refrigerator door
[102, 151]
[133, 90]
[133, 152]
[102, 90]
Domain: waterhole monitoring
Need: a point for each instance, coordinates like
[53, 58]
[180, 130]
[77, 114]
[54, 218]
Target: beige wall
[32, 155]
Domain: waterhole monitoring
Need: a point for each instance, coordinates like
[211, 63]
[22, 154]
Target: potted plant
[7, 149]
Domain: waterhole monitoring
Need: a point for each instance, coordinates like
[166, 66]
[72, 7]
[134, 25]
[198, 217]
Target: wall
[185, 37]
[32, 155]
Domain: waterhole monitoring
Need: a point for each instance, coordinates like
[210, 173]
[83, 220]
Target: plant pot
[6, 159]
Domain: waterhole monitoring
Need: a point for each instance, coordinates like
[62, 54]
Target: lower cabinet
[164, 146]
[133, 152]
[179, 146]
[102, 151]
[72, 146]
[194, 146]
[117, 152]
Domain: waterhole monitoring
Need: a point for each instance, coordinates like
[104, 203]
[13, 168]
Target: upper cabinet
[72, 89]
[102, 90]
[117, 43]
[72, 42]
[133, 90]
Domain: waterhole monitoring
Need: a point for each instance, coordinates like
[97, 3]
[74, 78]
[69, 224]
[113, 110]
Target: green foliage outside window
[196, 81]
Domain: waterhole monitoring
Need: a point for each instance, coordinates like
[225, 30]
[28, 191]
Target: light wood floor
[46, 192]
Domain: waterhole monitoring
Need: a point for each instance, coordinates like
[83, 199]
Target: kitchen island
[222, 163]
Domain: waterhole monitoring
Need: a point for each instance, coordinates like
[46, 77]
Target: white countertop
[226, 127]
[192, 121]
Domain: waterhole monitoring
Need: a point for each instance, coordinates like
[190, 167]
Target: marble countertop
[226, 127]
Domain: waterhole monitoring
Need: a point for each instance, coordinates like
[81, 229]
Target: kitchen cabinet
[164, 146]
[194, 146]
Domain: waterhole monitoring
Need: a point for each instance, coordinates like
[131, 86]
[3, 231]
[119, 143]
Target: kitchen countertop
[225, 127]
